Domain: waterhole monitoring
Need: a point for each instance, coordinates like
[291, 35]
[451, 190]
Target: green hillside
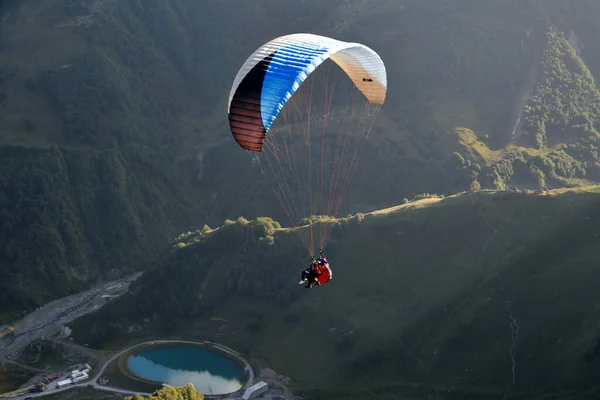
[422, 299]
[113, 115]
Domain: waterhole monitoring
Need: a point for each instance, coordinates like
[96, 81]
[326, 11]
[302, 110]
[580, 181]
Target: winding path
[34, 369]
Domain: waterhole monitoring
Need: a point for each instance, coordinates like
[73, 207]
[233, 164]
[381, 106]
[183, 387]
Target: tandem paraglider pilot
[318, 272]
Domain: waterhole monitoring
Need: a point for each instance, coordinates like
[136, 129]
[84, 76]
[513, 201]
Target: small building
[80, 378]
[80, 373]
[255, 390]
[64, 383]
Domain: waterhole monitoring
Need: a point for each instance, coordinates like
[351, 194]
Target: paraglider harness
[318, 272]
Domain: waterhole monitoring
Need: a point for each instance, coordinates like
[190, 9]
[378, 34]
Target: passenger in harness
[318, 272]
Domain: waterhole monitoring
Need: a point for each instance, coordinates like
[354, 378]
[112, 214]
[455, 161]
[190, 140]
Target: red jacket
[324, 273]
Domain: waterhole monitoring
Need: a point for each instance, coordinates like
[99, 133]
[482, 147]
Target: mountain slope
[422, 298]
[133, 93]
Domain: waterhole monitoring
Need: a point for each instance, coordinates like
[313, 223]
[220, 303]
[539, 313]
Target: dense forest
[114, 137]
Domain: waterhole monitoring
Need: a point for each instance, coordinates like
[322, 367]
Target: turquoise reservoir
[210, 372]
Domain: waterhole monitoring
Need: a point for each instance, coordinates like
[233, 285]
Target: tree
[187, 392]
[499, 183]
[475, 186]
[540, 178]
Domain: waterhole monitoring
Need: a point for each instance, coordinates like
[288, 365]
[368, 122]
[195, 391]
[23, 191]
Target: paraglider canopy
[272, 74]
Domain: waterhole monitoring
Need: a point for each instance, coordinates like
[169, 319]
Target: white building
[80, 373]
[255, 390]
[64, 383]
[80, 378]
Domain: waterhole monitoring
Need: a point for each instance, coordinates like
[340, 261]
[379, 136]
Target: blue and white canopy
[272, 74]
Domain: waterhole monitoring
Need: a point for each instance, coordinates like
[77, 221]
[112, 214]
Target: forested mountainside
[488, 295]
[114, 135]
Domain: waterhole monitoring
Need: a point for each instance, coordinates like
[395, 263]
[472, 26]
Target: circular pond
[209, 371]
